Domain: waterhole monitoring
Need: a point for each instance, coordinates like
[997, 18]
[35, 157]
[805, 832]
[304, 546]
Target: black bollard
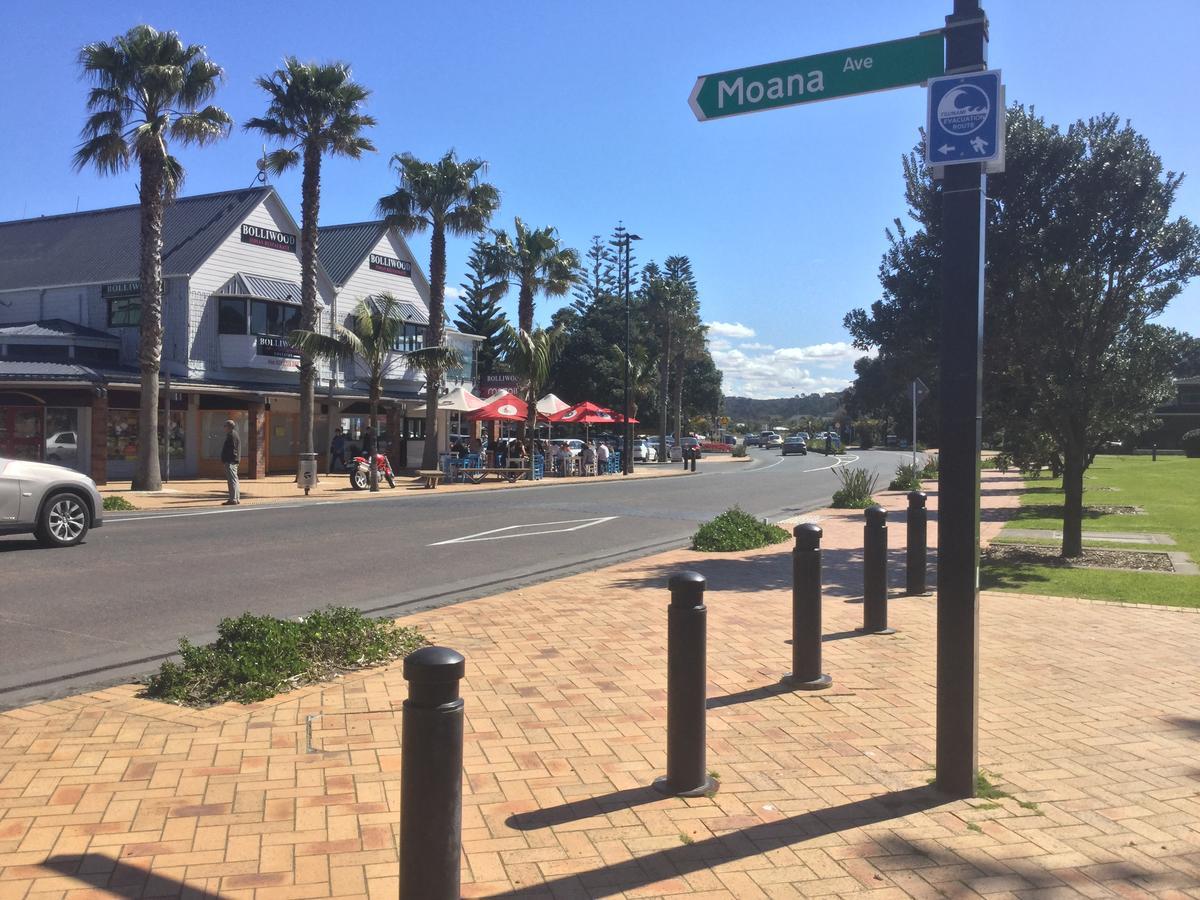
[686, 636]
[806, 674]
[1154, 453]
[875, 572]
[431, 776]
[695, 456]
[915, 554]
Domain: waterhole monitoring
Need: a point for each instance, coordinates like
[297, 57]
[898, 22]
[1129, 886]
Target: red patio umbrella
[585, 413]
[504, 407]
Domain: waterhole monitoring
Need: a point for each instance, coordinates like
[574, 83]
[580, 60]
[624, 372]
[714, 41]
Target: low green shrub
[739, 450]
[1191, 442]
[256, 657]
[734, 530]
[907, 478]
[117, 503]
[857, 487]
[930, 471]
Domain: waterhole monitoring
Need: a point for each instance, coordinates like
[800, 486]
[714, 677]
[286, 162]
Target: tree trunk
[679, 401]
[437, 312]
[525, 308]
[310, 205]
[372, 472]
[147, 475]
[664, 385]
[1072, 527]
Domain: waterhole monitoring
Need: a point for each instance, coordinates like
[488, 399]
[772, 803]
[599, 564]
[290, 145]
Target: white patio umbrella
[458, 400]
[549, 406]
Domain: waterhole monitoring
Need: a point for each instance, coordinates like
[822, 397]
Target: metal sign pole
[963, 217]
[913, 390]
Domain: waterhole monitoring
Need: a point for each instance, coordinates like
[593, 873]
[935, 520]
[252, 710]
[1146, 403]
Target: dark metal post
[431, 776]
[1154, 453]
[686, 637]
[875, 572]
[963, 228]
[915, 552]
[695, 456]
[806, 674]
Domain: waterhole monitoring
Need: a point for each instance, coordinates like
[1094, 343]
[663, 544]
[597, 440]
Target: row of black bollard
[431, 765]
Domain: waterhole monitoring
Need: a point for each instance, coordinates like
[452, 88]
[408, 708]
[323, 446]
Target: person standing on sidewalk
[231, 455]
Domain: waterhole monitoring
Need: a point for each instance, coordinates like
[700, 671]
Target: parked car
[795, 444]
[644, 451]
[691, 446]
[730, 439]
[56, 504]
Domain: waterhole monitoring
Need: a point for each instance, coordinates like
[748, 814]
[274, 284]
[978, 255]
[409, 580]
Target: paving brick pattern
[1089, 721]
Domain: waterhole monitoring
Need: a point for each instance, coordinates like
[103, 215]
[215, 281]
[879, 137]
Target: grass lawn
[1169, 491]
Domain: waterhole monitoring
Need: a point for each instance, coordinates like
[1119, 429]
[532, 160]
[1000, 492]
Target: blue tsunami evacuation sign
[965, 119]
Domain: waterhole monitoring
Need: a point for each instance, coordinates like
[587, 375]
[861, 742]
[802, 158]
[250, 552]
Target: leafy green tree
[149, 89]
[597, 278]
[314, 110]
[376, 327]
[529, 355]
[536, 262]
[447, 197]
[479, 309]
[1082, 255]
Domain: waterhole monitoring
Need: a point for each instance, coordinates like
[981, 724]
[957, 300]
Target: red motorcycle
[360, 473]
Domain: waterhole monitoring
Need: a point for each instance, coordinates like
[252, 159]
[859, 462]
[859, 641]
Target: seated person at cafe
[589, 458]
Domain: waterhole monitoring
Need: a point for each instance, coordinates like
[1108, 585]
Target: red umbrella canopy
[620, 419]
[504, 407]
[585, 413]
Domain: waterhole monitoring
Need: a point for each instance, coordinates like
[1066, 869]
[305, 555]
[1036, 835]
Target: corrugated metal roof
[414, 313]
[46, 371]
[243, 284]
[55, 328]
[103, 244]
[342, 248]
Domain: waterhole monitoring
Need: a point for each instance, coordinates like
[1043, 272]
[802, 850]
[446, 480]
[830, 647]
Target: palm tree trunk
[372, 472]
[147, 474]
[664, 385]
[525, 308]
[310, 205]
[437, 312]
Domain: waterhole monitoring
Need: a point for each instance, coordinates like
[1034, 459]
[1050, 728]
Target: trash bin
[676, 454]
[306, 471]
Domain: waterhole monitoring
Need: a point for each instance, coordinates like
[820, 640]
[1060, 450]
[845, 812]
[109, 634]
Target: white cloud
[757, 346]
[784, 372]
[730, 330]
[453, 293]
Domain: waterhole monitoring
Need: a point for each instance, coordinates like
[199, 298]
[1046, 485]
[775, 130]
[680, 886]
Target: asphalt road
[93, 615]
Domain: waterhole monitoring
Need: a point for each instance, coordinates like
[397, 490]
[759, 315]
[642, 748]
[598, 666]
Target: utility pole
[964, 210]
[627, 456]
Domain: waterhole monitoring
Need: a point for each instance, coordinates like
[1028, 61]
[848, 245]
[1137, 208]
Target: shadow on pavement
[753, 841]
[583, 809]
[118, 879]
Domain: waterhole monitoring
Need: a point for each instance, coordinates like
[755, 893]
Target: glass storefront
[21, 433]
[122, 438]
[176, 428]
[62, 437]
[212, 432]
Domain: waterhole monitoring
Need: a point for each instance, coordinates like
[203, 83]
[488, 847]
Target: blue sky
[581, 110]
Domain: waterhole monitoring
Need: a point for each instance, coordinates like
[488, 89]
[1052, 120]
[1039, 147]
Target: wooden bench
[477, 476]
[431, 476]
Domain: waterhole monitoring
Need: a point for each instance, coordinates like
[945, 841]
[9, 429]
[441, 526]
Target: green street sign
[858, 70]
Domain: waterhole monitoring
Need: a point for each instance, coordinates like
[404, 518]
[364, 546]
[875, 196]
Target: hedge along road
[115, 606]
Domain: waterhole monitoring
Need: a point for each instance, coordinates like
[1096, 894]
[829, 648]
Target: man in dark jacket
[231, 455]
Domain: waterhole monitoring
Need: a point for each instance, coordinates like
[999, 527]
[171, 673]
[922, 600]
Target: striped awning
[260, 287]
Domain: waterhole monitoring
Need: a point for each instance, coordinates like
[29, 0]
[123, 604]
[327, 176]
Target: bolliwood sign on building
[808, 79]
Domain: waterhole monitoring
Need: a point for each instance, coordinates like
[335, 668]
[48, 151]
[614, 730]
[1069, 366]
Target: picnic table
[477, 474]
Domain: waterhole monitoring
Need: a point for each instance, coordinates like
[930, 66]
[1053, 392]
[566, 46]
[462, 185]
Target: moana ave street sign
[857, 70]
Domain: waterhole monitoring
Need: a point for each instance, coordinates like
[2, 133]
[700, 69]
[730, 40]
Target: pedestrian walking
[337, 451]
[231, 455]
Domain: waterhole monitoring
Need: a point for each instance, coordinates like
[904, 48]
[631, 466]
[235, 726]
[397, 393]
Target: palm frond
[202, 127]
[314, 343]
[109, 153]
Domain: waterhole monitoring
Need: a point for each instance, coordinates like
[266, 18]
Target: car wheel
[63, 521]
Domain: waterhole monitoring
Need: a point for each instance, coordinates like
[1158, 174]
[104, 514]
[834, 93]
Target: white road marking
[494, 534]
[839, 462]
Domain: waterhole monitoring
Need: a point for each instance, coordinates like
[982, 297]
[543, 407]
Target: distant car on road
[795, 444]
[574, 445]
[58, 505]
[691, 447]
[770, 439]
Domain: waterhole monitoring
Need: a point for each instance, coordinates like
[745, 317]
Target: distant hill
[744, 409]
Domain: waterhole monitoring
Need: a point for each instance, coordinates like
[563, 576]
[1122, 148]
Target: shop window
[412, 338]
[103, 356]
[122, 438]
[285, 434]
[175, 427]
[231, 316]
[21, 433]
[212, 432]
[414, 429]
[62, 437]
[277, 319]
[124, 312]
[38, 352]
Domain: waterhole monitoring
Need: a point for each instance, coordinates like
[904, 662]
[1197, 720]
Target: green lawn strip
[1166, 489]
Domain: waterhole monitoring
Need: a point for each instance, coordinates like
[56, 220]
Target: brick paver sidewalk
[1089, 721]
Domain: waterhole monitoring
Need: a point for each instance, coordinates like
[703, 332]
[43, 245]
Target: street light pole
[627, 456]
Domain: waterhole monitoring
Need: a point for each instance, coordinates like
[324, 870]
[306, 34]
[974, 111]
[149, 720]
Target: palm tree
[446, 197]
[314, 110]
[377, 324]
[529, 355]
[149, 88]
[536, 262]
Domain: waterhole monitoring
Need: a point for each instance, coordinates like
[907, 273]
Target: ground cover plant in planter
[735, 529]
[256, 657]
[857, 488]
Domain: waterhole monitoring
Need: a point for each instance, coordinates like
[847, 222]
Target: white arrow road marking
[496, 535]
[839, 462]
